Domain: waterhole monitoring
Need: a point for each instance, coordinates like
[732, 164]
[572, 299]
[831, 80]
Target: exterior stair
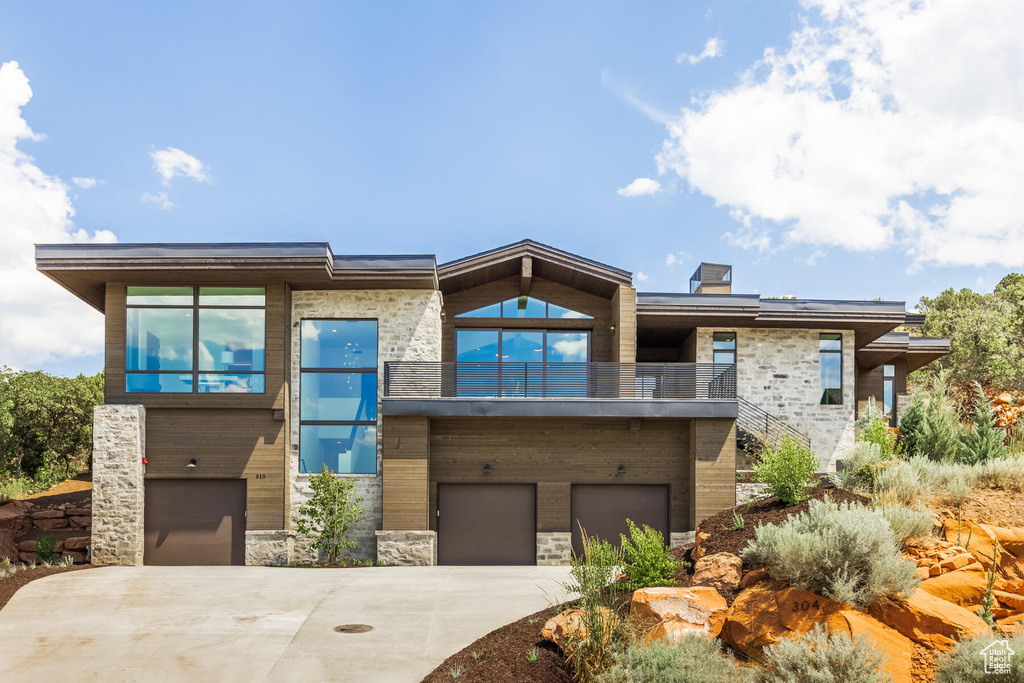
[757, 428]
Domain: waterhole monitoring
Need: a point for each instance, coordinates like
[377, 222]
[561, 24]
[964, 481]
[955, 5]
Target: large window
[338, 396]
[889, 392]
[195, 340]
[519, 355]
[724, 344]
[524, 307]
[830, 355]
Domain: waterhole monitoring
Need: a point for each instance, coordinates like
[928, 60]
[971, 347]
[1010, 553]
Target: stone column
[118, 484]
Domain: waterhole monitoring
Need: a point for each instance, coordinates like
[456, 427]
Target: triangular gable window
[525, 307]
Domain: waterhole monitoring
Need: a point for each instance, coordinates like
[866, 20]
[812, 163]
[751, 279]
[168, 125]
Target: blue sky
[451, 128]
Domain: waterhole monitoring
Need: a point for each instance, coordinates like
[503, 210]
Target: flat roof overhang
[664, 320]
[84, 269]
[917, 351]
[548, 407]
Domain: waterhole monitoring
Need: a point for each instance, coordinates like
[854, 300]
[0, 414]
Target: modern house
[486, 408]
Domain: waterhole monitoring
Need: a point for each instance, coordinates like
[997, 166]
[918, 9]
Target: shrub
[908, 523]
[860, 468]
[939, 435]
[910, 426]
[985, 441]
[45, 545]
[874, 428]
[1005, 473]
[787, 469]
[819, 658]
[966, 664]
[846, 552]
[15, 489]
[898, 484]
[327, 517]
[696, 659]
[591, 576]
[648, 560]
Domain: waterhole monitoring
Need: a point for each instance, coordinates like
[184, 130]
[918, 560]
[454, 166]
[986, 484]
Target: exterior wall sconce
[621, 470]
[191, 463]
[487, 468]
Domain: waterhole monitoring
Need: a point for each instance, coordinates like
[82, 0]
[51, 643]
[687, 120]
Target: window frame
[499, 376]
[821, 353]
[341, 371]
[889, 380]
[467, 315]
[735, 345]
[195, 372]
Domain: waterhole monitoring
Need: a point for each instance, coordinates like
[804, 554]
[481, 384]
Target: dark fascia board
[768, 308]
[519, 407]
[889, 340]
[830, 306]
[530, 247]
[928, 344]
[159, 250]
[656, 301]
[914, 320]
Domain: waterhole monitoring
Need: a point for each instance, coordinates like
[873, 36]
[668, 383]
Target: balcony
[579, 389]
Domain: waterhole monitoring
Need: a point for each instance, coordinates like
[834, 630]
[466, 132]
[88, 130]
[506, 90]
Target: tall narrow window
[830, 355]
[889, 392]
[338, 396]
[195, 340]
[724, 344]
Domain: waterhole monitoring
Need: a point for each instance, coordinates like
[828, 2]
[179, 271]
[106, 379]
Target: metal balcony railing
[672, 381]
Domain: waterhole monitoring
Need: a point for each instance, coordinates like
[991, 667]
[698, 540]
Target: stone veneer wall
[407, 548]
[118, 484]
[778, 371]
[554, 548]
[408, 328]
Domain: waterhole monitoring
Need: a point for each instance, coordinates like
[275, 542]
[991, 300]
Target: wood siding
[869, 384]
[276, 338]
[405, 473]
[601, 340]
[714, 449]
[227, 444]
[624, 320]
[555, 453]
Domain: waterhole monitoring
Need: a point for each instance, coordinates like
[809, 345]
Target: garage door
[191, 522]
[603, 510]
[486, 524]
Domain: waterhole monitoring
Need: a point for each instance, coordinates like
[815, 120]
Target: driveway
[259, 623]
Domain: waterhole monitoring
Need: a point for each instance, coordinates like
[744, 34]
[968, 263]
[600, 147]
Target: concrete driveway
[259, 623]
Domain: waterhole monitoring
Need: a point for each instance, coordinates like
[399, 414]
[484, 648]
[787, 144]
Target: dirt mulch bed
[988, 506]
[77, 492]
[9, 585]
[502, 656]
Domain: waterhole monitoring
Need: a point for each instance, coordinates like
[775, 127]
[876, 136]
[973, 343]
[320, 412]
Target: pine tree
[985, 441]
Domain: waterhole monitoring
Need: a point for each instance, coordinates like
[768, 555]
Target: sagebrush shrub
[787, 469]
[908, 523]
[898, 484]
[859, 468]
[818, 657]
[846, 552]
[15, 489]
[1005, 473]
[696, 659]
[648, 560]
[966, 664]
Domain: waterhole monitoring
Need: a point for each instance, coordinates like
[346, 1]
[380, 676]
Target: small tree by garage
[327, 517]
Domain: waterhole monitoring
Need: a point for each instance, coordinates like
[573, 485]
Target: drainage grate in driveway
[353, 628]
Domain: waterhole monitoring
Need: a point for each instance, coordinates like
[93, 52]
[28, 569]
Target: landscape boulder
[699, 608]
[14, 523]
[76, 542]
[752, 577]
[699, 547]
[570, 624]
[721, 571]
[964, 587]
[928, 620]
[768, 611]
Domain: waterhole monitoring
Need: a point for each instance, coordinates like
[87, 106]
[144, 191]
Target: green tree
[985, 441]
[327, 517]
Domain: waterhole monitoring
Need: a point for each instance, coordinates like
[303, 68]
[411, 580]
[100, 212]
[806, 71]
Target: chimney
[711, 278]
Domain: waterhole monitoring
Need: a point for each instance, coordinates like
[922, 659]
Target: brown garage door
[192, 522]
[486, 524]
[603, 510]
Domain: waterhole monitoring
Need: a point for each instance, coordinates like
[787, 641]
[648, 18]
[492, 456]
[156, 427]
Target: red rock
[79, 512]
[80, 522]
[50, 524]
[721, 571]
[700, 538]
[48, 514]
[767, 612]
[27, 546]
[752, 577]
[699, 607]
[962, 587]
[76, 542]
[569, 624]
[27, 558]
[76, 557]
[931, 621]
[1011, 600]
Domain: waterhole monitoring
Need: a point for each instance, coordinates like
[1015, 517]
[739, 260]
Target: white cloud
[84, 183]
[715, 47]
[640, 187]
[641, 276]
[670, 259]
[160, 199]
[883, 124]
[172, 162]
[41, 322]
